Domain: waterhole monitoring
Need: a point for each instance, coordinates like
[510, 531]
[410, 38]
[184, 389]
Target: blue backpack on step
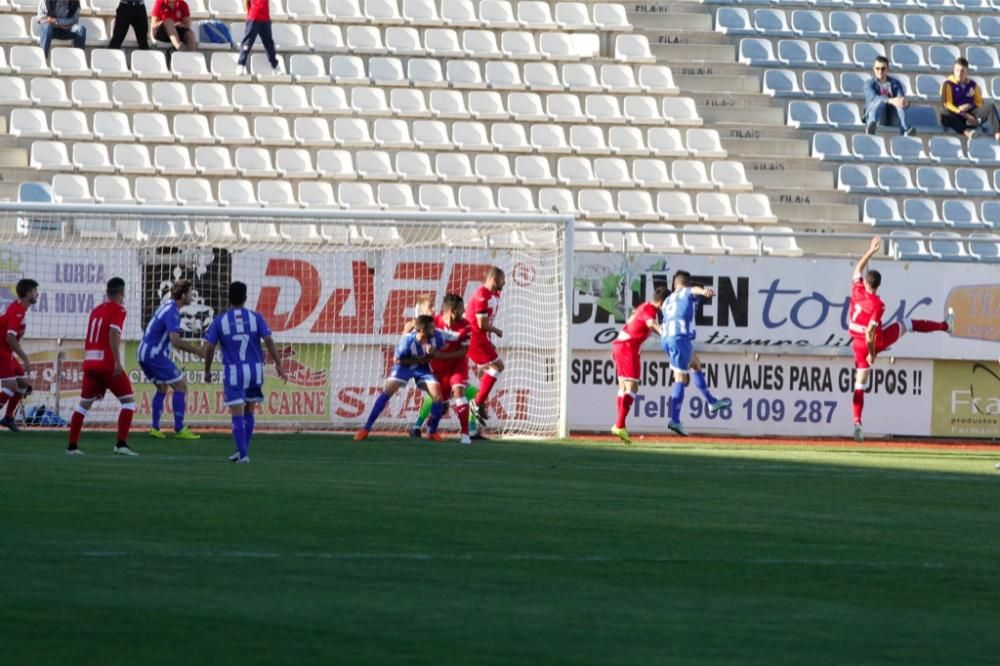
[215, 32]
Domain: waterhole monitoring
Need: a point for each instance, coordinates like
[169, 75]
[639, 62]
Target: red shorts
[451, 374]
[884, 338]
[626, 358]
[95, 383]
[482, 351]
[10, 368]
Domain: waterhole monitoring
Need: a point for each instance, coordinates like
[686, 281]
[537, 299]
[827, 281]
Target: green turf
[392, 551]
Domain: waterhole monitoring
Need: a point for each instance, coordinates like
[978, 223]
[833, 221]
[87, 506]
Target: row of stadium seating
[956, 213]
[833, 55]
[965, 6]
[847, 115]
[491, 14]
[297, 163]
[856, 25]
[946, 246]
[932, 180]
[822, 84]
[906, 149]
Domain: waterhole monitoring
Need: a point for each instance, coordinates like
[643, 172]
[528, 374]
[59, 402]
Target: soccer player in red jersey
[14, 383]
[480, 312]
[103, 369]
[451, 366]
[869, 338]
[625, 353]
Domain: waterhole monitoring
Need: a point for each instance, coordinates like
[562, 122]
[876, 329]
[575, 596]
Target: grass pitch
[324, 550]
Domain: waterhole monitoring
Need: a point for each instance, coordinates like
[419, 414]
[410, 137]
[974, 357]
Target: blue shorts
[420, 374]
[680, 350]
[161, 370]
[237, 395]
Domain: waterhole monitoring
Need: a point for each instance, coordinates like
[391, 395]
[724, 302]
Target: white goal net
[335, 287]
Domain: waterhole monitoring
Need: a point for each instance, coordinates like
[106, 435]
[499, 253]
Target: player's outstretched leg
[158, 403]
[858, 405]
[676, 402]
[380, 402]
[486, 384]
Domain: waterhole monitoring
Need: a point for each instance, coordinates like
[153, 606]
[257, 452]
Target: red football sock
[624, 405]
[462, 411]
[124, 423]
[485, 386]
[75, 426]
[858, 403]
[925, 326]
[12, 404]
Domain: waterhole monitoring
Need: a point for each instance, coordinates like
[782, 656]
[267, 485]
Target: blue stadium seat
[946, 150]
[908, 57]
[806, 115]
[961, 214]
[884, 26]
[882, 212]
[869, 148]
[833, 55]
[757, 52]
[972, 181]
[948, 246]
[991, 213]
[809, 23]
[903, 246]
[781, 83]
[983, 59]
[908, 149]
[929, 87]
[733, 21]
[941, 57]
[921, 27]
[847, 25]
[984, 152]
[922, 212]
[984, 247]
[844, 115]
[830, 146]
[852, 84]
[924, 118]
[795, 53]
[958, 28]
[34, 192]
[864, 54]
[934, 180]
[856, 178]
[820, 84]
[895, 180]
[771, 23]
[989, 28]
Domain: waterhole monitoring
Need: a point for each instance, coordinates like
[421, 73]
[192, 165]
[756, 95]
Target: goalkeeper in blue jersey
[239, 331]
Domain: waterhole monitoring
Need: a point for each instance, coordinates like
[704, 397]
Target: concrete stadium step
[772, 116]
[681, 38]
[841, 214]
[757, 133]
[756, 148]
[733, 100]
[8, 190]
[640, 12]
[675, 21]
[809, 180]
[13, 158]
[707, 70]
[718, 84]
[668, 54]
[781, 195]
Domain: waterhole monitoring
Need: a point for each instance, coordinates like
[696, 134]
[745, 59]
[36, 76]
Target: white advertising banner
[801, 396]
[792, 305]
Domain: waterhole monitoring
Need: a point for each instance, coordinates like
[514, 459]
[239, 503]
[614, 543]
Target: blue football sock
[159, 400]
[437, 411]
[248, 419]
[676, 399]
[240, 435]
[380, 402]
[179, 402]
[702, 385]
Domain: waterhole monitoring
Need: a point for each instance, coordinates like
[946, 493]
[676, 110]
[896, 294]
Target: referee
[130, 14]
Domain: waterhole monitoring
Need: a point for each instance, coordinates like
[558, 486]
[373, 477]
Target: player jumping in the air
[625, 353]
[412, 361]
[480, 312]
[103, 369]
[678, 343]
[14, 376]
[240, 331]
[164, 330]
[869, 339]
[451, 367]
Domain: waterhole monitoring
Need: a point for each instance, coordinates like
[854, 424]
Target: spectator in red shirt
[172, 23]
[258, 23]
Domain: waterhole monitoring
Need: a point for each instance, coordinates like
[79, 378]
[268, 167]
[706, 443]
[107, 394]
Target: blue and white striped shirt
[678, 313]
[156, 340]
[239, 332]
[410, 348]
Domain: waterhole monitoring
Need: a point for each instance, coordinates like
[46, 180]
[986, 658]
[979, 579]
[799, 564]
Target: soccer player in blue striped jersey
[678, 342]
[239, 331]
[412, 361]
[162, 331]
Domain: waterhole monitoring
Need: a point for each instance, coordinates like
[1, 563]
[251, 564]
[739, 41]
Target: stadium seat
[408, 103]
[154, 191]
[546, 139]
[25, 60]
[272, 131]
[494, 169]
[701, 239]
[517, 45]
[588, 140]
[352, 133]
[661, 238]
[921, 28]
[844, 115]
[652, 173]
[437, 198]
[896, 180]
[557, 200]
[847, 25]
[961, 214]
[941, 57]
[908, 149]
[989, 28]
[150, 64]
[883, 26]
[421, 13]
[934, 180]
[454, 168]
[13, 30]
[984, 247]
[582, 77]
[864, 53]
[94, 158]
[573, 16]
[795, 53]
[431, 135]
[387, 72]
[152, 128]
[70, 125]
[527, 107]
[131, 96]
[370, 102]
[357, 196]
[629, 141]
[972, 181]
[472, 135]
[637, 206]
[317, 194]
[464, 74]
[563, 108]
[597, 204]
[251, 98]
[374, 165]
[757, 52]
[809, 24]
[113, 190]
[392, 134]
[171, 96]
[533, 170]
[631, 48]
[643, 110]
[806, 115]
[754, 208]
[948, 246]
[680, 112]
[771, 22]
[729, 176]
[414, 166]
[738, 241]
[881, 212]
[68, 62]
[133, 159]
[946, 150]
[869, 148]
[112, 126]
[715, 207]
[921, 212]
[448, 104]
[852, 84]
[498, 15]
[820, 84]
[657, 79]
[329, 101]
[474, 199]
[232, 130]
[535, 15]
[335, 165]
[958, 28]
[833, 55]
[29, 124]
[171, 160]
[576, 172]
[908, 57]
[396, 197]
[587, 239]
[194, 192]
[983, 59]
[929, 87]
[542, 77]
[984, 152]
[611, 17]
[783, 244]
[90, 94]
[856, 178]
[831, 146]
[485, 105]
[214, 161]
[459, 14]
[612, 172]
[443, 43]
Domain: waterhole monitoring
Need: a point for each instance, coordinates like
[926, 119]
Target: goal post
[335, 286]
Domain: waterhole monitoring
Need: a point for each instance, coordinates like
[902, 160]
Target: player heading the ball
[239, 331]
[868, 337]
[103, 369]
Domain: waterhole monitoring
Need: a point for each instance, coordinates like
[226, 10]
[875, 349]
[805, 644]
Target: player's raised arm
[272, 349]
[859, 268]
[704, 292]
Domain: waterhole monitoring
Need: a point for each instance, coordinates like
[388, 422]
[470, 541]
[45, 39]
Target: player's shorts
[420, 374]
[626, 358]
[681, 351]
[482, 351]
[95, 383]
[884, 338]
[161, 370]
[10, 368]
[451, 374]
[238, 395]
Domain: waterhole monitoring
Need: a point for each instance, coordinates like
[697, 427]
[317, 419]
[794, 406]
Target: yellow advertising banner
[966, 399]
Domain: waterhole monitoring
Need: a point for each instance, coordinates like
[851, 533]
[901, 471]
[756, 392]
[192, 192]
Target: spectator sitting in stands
[885, 98]
[60, 19]
[130, 14]
[962, 100]
[172, 23]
